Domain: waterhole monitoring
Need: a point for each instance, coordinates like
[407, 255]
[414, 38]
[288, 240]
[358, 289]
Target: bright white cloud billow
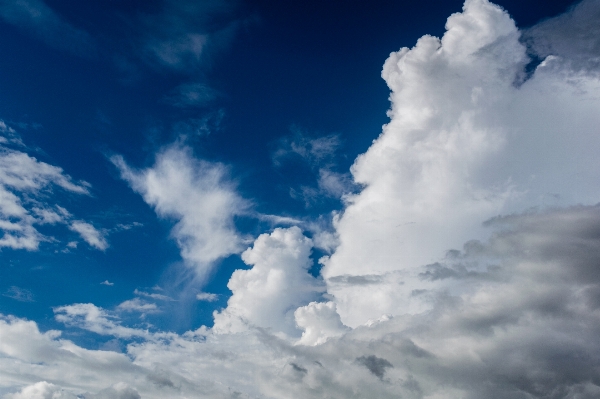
[467, 140]
[514, 316]
[278, 283]
[466, 268]
[199, 196]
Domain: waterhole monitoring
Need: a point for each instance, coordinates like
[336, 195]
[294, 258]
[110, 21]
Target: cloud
[89, 234]
[106, 282]
[573, 36]
[41, 390]
[375, 365]
[191, 95]
[199, 195]
[278, 283]
[315, 151]
[319, 322]
[138, 305]
[19, 294]
[153, 296]
[320, 155]
[92, 318]
[206, 296]
[453, 277]
[41, 22]
[178, 37]
[464, 143]
[25, 186]
[527, 331]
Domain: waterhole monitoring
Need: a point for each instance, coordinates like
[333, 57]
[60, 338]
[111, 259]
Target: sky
[316, 199]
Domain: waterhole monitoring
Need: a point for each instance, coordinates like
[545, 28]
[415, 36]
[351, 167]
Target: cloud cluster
[467, 140]
[467, 266]
[515, 316]
[199, 196]
[25, 186]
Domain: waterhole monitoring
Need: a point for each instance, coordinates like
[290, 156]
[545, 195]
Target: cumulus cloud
[525, 327]
[138, 305]
[278, 283]
[43, 23]
[199, 195]
[454, 277]
[464, 143]
[92, 318]
[319, 322]
[41, 390]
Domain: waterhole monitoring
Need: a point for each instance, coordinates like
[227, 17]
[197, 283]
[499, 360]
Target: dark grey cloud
[160, 379]
[356, 280]
[573, 36]
[375, 365]
[299, 369]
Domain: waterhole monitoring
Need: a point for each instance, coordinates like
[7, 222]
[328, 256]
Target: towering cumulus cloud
[468, 266]
[468, 139]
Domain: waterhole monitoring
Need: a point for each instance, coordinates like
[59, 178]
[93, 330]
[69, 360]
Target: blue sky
[316, 199]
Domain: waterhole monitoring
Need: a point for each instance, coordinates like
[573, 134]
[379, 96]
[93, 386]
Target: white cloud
[41, 390]
[206, 296]
[106, 282]
[316, 151]
[90, 234]
[514, 316]
[25, 186]
[178, 36]
[18, 294]
[153, 296]
[137, 305]
[464, 143]
[278, 283]
[320, 321]
[511, 312]
[320, 156]
[199, 196]
[90, 317]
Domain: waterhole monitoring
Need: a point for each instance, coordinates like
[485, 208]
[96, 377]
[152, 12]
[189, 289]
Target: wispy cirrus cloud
[18, 294]
[43, 23]
[320, 155]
